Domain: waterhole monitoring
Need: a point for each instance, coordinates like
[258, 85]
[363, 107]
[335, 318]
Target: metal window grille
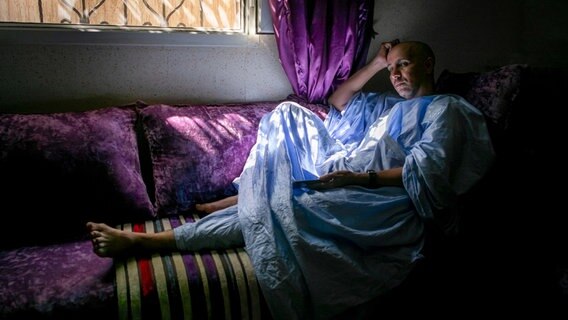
[195, 15]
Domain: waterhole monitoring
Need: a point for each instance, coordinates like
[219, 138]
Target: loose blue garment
[318, 253]
[350, 125]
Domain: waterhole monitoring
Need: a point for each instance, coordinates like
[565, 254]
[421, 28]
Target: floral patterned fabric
[58, 171]
[494, 92]
[62, 281]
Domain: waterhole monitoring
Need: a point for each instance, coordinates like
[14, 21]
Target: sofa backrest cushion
[495, 92]
[60, 170]
[198, 150]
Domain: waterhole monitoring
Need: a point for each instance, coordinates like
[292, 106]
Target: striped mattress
[193, 285]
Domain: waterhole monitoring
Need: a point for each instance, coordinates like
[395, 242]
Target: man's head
[411, 67]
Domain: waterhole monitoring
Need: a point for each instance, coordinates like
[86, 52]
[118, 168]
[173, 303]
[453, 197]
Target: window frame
[20, 33]
[263, 18]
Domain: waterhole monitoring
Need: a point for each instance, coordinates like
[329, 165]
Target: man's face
[407, 70]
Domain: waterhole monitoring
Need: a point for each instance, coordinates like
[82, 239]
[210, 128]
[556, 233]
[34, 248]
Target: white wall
[459, 32]
[466, 35]
[477, 35]
[72, 77]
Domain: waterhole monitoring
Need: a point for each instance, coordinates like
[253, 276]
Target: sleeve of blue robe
[453, 153]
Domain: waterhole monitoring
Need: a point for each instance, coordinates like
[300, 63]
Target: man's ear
[429, 65]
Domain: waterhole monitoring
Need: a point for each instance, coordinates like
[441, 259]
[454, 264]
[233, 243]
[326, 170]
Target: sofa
[143, 167]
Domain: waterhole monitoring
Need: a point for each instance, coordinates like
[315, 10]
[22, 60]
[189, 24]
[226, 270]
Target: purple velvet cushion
[197, 150]
[59, 170]
[60, 281]
[493, 92]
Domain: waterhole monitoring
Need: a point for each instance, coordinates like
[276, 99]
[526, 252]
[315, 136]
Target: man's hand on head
[387, 46]
[381, 57]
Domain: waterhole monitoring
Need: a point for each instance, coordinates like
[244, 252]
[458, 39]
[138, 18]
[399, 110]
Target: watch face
[372, 178]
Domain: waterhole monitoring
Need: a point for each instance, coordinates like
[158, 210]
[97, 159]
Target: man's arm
[341, 178]
[355, 83]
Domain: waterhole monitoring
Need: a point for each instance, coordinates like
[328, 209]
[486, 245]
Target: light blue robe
[318, 253]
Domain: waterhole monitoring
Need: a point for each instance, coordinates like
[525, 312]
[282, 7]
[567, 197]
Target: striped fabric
[194, 285]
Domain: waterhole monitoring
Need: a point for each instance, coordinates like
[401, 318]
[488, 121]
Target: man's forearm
[389, 177]
[355, 83]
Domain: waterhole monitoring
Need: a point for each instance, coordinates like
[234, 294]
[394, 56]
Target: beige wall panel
[139, 14]
[60, 10]
[210, 17]
[188, 15]
[110, 12]
[19, 11]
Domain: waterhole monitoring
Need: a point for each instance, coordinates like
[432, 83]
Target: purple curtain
[321, 42]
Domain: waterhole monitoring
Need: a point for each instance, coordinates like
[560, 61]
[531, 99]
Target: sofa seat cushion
[65, 281]
[60, 170]
[209, 284]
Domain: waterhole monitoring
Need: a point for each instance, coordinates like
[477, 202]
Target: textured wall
[477, 35]
[37, 78]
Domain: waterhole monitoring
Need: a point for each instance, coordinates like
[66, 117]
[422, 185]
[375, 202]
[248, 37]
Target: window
[226, 23]
[225, 16]
[263, 19]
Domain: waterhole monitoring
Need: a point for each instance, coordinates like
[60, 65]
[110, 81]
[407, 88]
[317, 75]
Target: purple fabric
[64, 281]
[493, 92]
[197, 151]
[321, 43]
[59, 170]
[496, 93]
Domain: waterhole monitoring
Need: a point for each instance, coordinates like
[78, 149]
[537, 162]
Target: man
[383, 164]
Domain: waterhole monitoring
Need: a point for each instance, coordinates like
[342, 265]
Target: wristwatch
[373, 181]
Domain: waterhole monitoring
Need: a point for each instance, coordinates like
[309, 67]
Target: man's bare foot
[217, 205]
[108, 241]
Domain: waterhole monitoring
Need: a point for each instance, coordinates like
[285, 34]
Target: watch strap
[373, 180]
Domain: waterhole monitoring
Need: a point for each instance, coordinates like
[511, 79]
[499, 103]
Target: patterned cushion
[58, 281]
[198, 150]
[59, 170]
[493, 92]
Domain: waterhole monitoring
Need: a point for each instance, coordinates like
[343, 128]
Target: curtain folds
[321, 42]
